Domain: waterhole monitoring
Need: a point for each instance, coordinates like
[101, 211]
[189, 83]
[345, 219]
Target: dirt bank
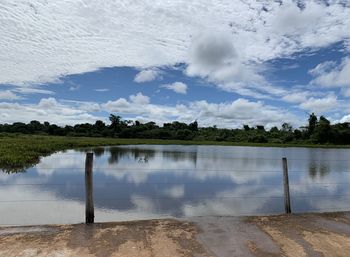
[309, 235]
[284, 235]
[159, 238]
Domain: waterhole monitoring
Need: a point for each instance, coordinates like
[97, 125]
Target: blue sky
[222, 63]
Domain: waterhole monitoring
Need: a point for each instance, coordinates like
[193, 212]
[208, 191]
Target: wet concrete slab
[282, 235]
[28, 229]
[233, 236]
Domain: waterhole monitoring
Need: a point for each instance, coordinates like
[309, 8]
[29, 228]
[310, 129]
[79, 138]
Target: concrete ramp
[283, 235]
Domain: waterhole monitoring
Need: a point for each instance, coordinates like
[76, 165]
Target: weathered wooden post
[89, 202]
[286, 186]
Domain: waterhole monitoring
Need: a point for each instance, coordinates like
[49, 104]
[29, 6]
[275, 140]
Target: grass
[18, 151]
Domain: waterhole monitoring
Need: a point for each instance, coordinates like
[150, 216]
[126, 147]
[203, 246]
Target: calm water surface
[154, 181]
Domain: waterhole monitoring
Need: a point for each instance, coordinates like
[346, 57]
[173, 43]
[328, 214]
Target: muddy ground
[284, 235]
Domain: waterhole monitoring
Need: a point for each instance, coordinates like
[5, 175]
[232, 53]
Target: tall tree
[322, 132]
[193, 126]
[100, 125]
[115, 120]
[286, 127]
[312, 123]
[115, 123]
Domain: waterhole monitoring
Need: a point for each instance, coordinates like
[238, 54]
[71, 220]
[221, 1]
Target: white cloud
[320, 105]
[209, 52]
[101, 89]
[139, 98]
[115, 106]
[230, 115]
[32, 90]
[226, 114]
[48, 109]
[328, 74]
[315, 25]
[8, 95]
[242, 111]
[322, 68]
[17, 92]
[346, 118]
[147, 75]
[74, 87]
[138, 106]
[176, 191]
[225, 42]
[43, 42]
[83, 105]
[47, 103]
[214, 57]
[291, 20]
[296, 97]
[177, 87]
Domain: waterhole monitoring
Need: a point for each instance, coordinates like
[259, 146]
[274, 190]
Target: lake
[159, 181]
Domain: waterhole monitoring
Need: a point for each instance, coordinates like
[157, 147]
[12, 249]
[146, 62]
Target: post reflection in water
[153, 181]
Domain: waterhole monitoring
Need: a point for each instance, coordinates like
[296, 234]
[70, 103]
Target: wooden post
[89, 202]
[286, 186]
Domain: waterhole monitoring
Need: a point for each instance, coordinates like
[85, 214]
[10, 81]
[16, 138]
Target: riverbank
[282, 235]
[18, 151]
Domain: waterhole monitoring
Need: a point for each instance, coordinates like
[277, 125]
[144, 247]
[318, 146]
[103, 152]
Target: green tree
[100, 125]
[260, 127]
[193, 126]
[115, 120]
[274, 129]
[246, 127]
[286, 127]
[322, 132]
[312, 123]
[297, 134]
[116, 123]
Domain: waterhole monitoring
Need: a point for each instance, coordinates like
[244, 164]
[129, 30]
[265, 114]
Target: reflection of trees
[21, 168]
[317, 164]
[98, 151]
[139, 155]
[180, 156]
[319, 167]
[145, 155]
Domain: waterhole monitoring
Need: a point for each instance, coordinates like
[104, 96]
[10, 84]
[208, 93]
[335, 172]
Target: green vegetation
[22, 145]
[317, 131]
[19, 151]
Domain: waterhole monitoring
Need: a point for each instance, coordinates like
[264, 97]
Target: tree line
[317, 131]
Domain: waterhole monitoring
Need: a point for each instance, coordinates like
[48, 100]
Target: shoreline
[18, 152]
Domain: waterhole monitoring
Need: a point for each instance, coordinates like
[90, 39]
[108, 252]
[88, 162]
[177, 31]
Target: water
[153, 181]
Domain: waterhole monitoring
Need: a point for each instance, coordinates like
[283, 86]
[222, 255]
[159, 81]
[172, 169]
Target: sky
[223, 62]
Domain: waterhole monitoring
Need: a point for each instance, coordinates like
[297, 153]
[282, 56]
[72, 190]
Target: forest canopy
[317, 131]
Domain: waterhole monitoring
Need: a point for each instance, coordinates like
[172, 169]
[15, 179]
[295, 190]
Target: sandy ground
[130, 239]
[284, 235]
